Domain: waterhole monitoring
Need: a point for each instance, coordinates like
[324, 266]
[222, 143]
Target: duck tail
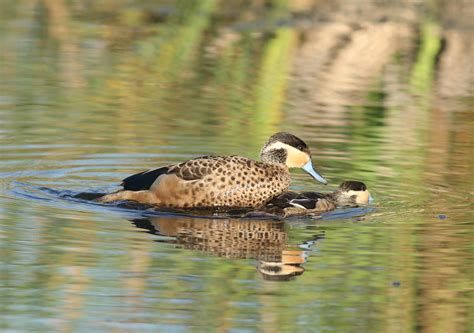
[143, 180]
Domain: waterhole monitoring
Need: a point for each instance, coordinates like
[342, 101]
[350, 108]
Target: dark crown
[289, 139]
[352, 185]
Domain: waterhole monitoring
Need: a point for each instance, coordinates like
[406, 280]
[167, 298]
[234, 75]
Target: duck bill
[308, 167]
[371, 198]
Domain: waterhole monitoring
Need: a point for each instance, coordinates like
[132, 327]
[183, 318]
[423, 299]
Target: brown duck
[348, 194]
[221, 181]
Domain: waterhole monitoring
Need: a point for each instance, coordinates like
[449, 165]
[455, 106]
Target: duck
[349, 194]
[221, 181]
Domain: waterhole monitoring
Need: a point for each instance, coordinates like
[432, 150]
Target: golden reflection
[229, 238]
[266, 241]
[69, 51]
[344, 61]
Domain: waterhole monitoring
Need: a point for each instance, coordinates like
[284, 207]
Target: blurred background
[92, 91]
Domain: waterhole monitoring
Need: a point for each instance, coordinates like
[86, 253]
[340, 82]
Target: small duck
[221, 181]
[348, 194]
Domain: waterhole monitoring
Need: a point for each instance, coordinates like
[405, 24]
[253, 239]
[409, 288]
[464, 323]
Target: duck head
[287, 149]
[352, 193]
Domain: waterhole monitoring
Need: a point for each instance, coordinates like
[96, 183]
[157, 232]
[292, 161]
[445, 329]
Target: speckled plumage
[211, 181]
[220, 181]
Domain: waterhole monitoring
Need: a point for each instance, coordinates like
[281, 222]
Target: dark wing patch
[307, 200]
[143, 180]
[304, 203]
[311, 195]
[283, 200]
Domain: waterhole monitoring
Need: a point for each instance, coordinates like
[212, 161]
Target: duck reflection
[266, 241]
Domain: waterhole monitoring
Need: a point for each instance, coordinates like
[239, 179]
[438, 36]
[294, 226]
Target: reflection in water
[230, 238]
[266, 241]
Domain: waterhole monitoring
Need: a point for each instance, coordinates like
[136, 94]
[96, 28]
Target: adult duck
[221, 181]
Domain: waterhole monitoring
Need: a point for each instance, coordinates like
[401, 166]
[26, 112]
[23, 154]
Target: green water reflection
[92, 91]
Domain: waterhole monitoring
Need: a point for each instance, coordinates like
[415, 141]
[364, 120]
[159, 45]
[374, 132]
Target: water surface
[91, 92]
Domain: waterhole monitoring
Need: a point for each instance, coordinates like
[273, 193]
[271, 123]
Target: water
[93, 92]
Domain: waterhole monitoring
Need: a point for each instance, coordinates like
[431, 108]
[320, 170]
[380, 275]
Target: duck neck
[340, 199]
[274, 156]
[333, 196]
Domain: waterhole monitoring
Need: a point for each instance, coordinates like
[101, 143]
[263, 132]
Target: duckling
[221, 181]
[349, 194]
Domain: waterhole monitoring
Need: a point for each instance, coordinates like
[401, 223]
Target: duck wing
[194, 169]
[197, 168]
[311, 195]
[304, 203]
[320, 204]
[283, 200]
[307, 200]
[143, 180]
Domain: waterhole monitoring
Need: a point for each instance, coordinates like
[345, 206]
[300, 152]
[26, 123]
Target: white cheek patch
[296, 158]
[278, 145]
[362, 197]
